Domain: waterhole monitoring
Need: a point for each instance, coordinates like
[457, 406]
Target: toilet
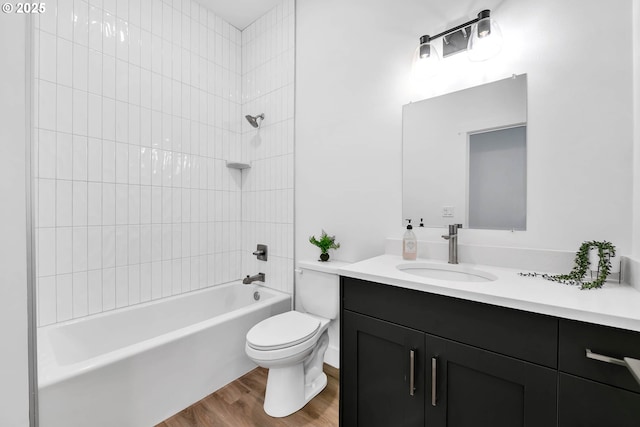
[292, 345]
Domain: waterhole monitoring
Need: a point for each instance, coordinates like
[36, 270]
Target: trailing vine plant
[606, 251]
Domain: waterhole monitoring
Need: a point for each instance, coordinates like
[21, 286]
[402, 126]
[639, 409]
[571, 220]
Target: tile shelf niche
[238, 165]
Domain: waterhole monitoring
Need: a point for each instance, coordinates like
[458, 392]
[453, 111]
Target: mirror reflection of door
[498, 179]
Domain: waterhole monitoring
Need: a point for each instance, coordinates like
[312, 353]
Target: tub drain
[256, 295]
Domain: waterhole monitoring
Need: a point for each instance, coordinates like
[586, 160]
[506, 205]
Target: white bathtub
[137, 366]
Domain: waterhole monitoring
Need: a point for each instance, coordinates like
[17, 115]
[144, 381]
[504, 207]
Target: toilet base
[289, 388]
[286, 393]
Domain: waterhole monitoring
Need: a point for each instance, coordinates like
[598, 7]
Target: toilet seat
[282, 331]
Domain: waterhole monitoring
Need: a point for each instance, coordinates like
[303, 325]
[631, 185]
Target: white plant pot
[594, 260]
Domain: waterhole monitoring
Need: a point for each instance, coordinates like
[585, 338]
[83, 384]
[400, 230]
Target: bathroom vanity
[509, 352]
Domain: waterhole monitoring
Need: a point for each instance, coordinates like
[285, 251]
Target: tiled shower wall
[137, 108]
[267, 192]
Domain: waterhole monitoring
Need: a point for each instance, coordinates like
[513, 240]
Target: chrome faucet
[452, 237]
[250, 279]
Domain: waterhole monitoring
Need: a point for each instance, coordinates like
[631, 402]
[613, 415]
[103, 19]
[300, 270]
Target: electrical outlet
[447, 211]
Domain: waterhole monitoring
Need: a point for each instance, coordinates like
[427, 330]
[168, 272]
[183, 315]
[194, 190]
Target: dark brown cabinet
[411, 358]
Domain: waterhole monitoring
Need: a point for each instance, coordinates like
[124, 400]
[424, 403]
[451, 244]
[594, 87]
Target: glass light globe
[485, 41]
[426, 61]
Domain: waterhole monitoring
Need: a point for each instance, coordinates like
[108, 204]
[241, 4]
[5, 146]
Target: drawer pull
[632, 364]
[434, 366]
[412, 372]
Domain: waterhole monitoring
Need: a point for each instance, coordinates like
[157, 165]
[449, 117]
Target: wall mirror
[464, 157]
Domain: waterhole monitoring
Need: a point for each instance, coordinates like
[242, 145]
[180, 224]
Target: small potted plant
[325, 243]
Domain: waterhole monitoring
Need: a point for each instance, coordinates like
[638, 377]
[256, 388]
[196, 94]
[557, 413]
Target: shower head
[253, 120]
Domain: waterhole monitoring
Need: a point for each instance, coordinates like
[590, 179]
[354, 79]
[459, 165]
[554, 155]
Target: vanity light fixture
[480, 37]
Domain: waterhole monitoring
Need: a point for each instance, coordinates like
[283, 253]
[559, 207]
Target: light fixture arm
[483, 14]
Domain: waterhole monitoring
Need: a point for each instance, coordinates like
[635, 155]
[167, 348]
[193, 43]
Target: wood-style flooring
[239, 404]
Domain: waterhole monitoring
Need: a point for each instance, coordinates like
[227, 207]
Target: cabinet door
[380, 361]
[470, 387]
[586, 403]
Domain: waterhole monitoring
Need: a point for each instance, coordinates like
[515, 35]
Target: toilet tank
[318, 287]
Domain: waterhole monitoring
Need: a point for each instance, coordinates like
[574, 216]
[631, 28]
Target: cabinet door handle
[434, 370]
[412, 372]
[632, 364]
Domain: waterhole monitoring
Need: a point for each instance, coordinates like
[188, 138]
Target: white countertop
[614, 304]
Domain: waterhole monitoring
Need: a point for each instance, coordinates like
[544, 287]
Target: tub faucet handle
[261, 252]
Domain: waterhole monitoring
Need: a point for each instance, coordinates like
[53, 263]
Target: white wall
[636, 115]
[353, 76]
[14, 393]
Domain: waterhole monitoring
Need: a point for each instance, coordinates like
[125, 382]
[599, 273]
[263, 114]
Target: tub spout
[250, 279]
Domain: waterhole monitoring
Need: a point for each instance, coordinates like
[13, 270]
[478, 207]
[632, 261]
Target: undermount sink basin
[452, 272]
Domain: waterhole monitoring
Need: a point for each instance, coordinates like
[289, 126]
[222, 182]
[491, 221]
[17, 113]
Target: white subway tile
[166, 241]
[64, 248]
[80, 203]
[122, 122]
[108, 246]
[122, 204]
[108, 289]
[46, 203]
[134, 204]
[64, 105]
[145, 127]
[80, 158]
[122, 163]
[94, 248]
[145, 204]
[145, 243]
[94, 291]
[64, 62]
[80, 245]
[94, 160]
[47, 58]
[94, 203]
[145, 281]
[63, 202]
[80, 294]
[108, 119]
[95, 28]
[122, 245]
[94, 75]
[133, 244]
[133, 296]
[80, 99]
[108, 161]
[108, 76]
[46, 300]
[108, 204]
[176, 276]
[122, 80]
[94, 113]
[109, 33]
[64, 156]
[156, 280]
[167, 275]
[46, 251]
[65, 19]
[135, 12]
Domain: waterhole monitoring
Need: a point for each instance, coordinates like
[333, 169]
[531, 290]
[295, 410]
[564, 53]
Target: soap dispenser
[409, 243]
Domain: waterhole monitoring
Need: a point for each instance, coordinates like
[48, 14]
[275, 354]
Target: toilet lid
[283, 330]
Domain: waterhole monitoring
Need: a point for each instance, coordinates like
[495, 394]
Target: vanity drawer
[577, 337]
[526, 336]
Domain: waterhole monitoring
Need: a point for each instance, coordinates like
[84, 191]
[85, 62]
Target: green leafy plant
[325, 242]
[606, 251]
